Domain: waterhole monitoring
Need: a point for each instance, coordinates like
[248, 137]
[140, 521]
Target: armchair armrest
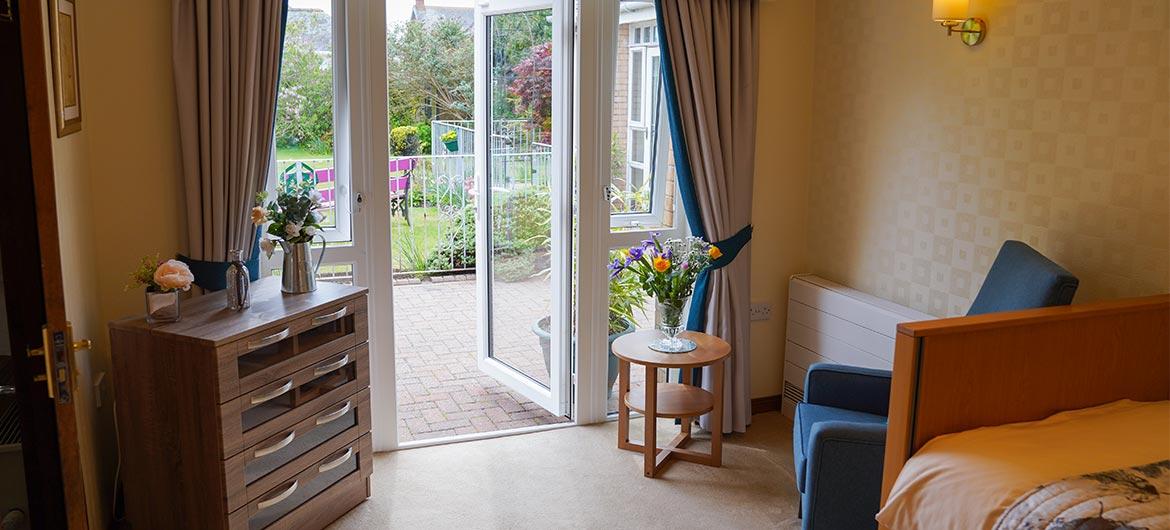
[848, 387]
[844, 475]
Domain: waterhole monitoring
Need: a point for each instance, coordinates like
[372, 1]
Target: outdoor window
[640, 159]
[308, 136]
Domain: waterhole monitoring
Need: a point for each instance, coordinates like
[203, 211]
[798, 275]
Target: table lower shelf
[674, 400]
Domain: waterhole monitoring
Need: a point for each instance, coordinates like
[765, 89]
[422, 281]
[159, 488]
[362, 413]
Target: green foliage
[404, 141]
[625, 295]
[429, 71]
[524, 220]
[304, 110]
[458, 252]
[409, 254]
[424, 137]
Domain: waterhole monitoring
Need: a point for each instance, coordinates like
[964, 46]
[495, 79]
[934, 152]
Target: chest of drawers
[246, 420]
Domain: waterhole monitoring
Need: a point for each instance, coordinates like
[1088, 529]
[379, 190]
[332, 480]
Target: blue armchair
[839, 431]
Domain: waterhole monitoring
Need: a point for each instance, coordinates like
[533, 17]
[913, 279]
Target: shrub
[404, 141]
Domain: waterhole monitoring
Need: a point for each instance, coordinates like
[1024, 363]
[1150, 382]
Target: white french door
[524, 197]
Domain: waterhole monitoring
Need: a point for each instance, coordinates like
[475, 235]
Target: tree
[304, 110]
[531, 89]
[429, 71]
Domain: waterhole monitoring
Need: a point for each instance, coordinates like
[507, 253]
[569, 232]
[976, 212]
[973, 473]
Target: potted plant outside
[451, 140]
[625, 295]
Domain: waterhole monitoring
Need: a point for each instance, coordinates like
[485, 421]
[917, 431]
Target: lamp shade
[949, 10]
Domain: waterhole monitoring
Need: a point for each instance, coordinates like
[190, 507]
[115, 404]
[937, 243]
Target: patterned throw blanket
[1131, 498]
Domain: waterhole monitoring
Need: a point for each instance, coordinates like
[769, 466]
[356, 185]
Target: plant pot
[541, 329]
[162, 307]
[452, 145]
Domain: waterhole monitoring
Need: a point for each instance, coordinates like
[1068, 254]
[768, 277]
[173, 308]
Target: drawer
[275, 460]
[272, 409]
[277, 351]
[315, 496]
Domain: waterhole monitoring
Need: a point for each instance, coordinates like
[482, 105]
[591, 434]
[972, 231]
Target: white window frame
[655, 153]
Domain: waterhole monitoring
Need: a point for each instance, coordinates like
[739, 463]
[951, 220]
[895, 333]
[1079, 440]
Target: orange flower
[714, 252]
[661, 264]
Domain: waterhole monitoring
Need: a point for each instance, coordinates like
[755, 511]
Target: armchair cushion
[1021, 278]
[848, 387]
[805, 423]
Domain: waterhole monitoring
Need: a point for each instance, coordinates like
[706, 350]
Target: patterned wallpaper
[928, 154]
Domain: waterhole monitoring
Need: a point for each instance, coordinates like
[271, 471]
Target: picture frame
[66, 68]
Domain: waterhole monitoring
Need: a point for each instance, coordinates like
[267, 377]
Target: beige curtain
[713, 49]
[226, 64]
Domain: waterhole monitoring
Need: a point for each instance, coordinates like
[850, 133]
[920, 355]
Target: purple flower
[685, 265]
[636, 253]
[615, 268]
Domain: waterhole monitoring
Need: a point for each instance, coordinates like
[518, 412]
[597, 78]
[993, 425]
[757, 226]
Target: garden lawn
[412, 245]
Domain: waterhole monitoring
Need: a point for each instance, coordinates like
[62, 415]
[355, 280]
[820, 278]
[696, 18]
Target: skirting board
[767, 403]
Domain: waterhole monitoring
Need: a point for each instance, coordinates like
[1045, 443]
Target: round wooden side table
[670, 400]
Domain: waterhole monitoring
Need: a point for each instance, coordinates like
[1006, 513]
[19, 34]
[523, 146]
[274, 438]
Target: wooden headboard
[956, 374]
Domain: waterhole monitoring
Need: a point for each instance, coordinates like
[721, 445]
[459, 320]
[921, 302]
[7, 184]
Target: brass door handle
[57, 349]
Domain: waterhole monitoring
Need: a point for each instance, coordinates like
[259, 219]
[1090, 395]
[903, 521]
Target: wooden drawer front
[280, 350]
[273, 461]
[291, 504]
[272, 409]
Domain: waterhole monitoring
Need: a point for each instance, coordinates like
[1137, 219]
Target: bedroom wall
[779, 204]
[118, 198]
[928, 154]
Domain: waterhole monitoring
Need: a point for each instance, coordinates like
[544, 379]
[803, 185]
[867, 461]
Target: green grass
[420, 239]
[297, 153]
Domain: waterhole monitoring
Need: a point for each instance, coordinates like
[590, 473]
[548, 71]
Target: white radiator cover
[829, 322]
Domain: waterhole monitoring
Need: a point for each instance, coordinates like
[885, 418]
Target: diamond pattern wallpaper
[928, 154]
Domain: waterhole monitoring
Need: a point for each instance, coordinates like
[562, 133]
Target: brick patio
[441, 391]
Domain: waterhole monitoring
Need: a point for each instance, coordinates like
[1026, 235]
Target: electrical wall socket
[761, 311]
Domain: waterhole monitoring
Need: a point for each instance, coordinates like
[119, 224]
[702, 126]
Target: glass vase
[672, 322]
[162, 307]
[237, 282]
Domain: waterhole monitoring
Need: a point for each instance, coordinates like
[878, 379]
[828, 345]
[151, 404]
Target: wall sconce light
[952, 14]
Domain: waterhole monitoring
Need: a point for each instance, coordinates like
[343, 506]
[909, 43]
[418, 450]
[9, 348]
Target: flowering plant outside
[666, 270]
[293, 217]
[162, 276]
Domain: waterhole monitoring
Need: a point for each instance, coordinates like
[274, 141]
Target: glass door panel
[522, 264]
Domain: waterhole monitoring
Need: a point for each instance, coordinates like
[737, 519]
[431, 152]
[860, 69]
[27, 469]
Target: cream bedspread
[968, 479]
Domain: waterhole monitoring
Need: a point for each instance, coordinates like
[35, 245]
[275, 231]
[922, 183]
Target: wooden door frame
[33, 277]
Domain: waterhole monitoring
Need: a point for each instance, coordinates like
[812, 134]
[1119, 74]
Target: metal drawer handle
[280, 444]
[340, 460]
[325, 319]
[271, 501]
[256, 400]
[273, 338]
[330, 416]
[324, 369]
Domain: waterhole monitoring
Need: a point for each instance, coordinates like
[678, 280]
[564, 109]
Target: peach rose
[173, 274]
[259, 215]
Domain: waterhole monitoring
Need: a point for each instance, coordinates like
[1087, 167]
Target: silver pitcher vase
[300, 274]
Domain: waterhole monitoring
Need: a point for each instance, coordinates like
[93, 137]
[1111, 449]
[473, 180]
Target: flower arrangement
[163, 279]
[293, 217]
[668, 271]
[161, 276]
[449, 136]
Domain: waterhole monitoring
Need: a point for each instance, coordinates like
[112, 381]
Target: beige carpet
[577, 478]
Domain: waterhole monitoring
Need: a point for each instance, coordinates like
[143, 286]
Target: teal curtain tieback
[730, 247]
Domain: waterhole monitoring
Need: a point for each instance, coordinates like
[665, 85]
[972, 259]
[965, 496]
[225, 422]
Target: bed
[977, 405]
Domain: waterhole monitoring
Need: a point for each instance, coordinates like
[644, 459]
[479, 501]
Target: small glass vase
[239, 297]
[162, 307]
[671, 324]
